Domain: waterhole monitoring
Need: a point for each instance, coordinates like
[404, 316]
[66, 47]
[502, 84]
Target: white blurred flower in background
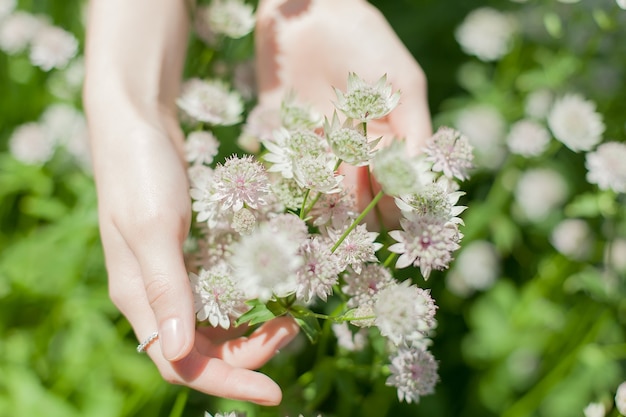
[232, 18]
[617, 254]
[621, 4]
[486, 33]
[572, 238]
[18, 30]
[528, 138]
[53, 47]
[210, 101]
[538, 103]
[620, 398]
[6, 7]
[484, 126]
[30, 144]
[607, 166]
[594, 410]
[575, 122]
[476, 268]
[539, 191]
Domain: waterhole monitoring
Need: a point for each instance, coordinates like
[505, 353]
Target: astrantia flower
[594, 410]
[364, 286]
[53, 47]
[620, 398]
[319, 272]
[201, 147]
[244, 221]
[426, 242]
[413, 373]
[434, 200]
[573, 238]
[484, 127]
[528, 138]
[239, 182]
[232, 18]
[349, 143]
[288, 193]
[486, 33]
[317, 174]
[265, 263]
[287, 148]
[357, 248]
[405, 313]
[260, 124]
[217, 298]
[450, 153]
[18, 30]
[30, 144]
[296, 116]
[538, 103]
[291, 226]
[539, 191]
[607, 166]
[334, 210]
[211, 102]
[476, 268]
[352, 342]
[364, 102]
[6, 7]
[575, 122]
[397, 173]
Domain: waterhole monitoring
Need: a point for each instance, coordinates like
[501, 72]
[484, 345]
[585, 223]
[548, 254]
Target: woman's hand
[310, 46]
[133, 78]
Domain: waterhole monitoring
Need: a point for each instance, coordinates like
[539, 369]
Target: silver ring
[146, 343]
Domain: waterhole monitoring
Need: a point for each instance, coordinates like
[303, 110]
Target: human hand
[310, 46]
[144, 203]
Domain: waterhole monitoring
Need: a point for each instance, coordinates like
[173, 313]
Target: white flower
[260, 124]
[617, 254]
[364, 286]
[405, 313]
[53, 47]
[18, 30]
[61, 121]
[622, 5]
[357, 248]
[265, 263]
[294, 115]
[426, 242]
[413, 373]
[575, 122]
[239, 182]
[607, 166]
[528, 138]
[363, 101]
[30, 144]
[287, 148]
[476, 268]
[232, 18]
[450, 152]
[201, 147]
[594, 410]
[539, 191]
[398, 173]
[6, 7]
[484, 127]
[572, 238]
[352, 342]
[244, 221]
[349, 143]
[217, 298]
[319, 272]
[317, 174]
[486, 33]
[334, 210]
[434, 200]
[538, 103]
[620, 398]
[211, 102]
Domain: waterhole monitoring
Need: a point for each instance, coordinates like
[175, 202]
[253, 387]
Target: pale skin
[134, 55]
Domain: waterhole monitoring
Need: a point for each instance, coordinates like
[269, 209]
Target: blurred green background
[545, 339]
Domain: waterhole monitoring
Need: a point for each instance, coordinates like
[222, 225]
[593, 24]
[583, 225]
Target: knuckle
[158, 290]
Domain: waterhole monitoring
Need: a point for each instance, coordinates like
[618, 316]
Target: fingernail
[172, 339]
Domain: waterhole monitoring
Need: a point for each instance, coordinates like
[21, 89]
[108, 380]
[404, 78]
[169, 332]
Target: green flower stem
[358, 220]
[392, 257]
[303, 210]
[179, 403]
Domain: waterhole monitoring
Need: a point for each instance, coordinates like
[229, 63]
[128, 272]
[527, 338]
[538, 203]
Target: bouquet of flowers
[278, 233]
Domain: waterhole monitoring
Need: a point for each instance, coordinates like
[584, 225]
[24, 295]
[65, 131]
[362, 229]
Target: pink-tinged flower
[18, 30]
[425, 242]
[575, 122]
[607, 168]
[413, 373]
[265, 263]
[217, 298]
[363, 287]
[358, 247]
[211, 102]
[244, 221]
[30, 144]
[334, 210]
[435, 200]
[352, 342]
[201, 147]
[291, 226]
[53, 47]
[405, 314]
[450, 152]
[363, 101]
[319, 272]
[528, 138]
[240, 182]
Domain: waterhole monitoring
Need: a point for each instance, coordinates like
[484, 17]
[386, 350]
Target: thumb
[167, 287]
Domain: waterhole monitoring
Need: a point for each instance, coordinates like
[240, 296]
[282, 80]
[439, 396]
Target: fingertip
[176, 338]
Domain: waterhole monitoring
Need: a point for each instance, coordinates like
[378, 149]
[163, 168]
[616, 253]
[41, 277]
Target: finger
[254, 351]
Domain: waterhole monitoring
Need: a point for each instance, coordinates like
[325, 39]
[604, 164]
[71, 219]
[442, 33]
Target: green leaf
[259, 313]
[307, 322]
